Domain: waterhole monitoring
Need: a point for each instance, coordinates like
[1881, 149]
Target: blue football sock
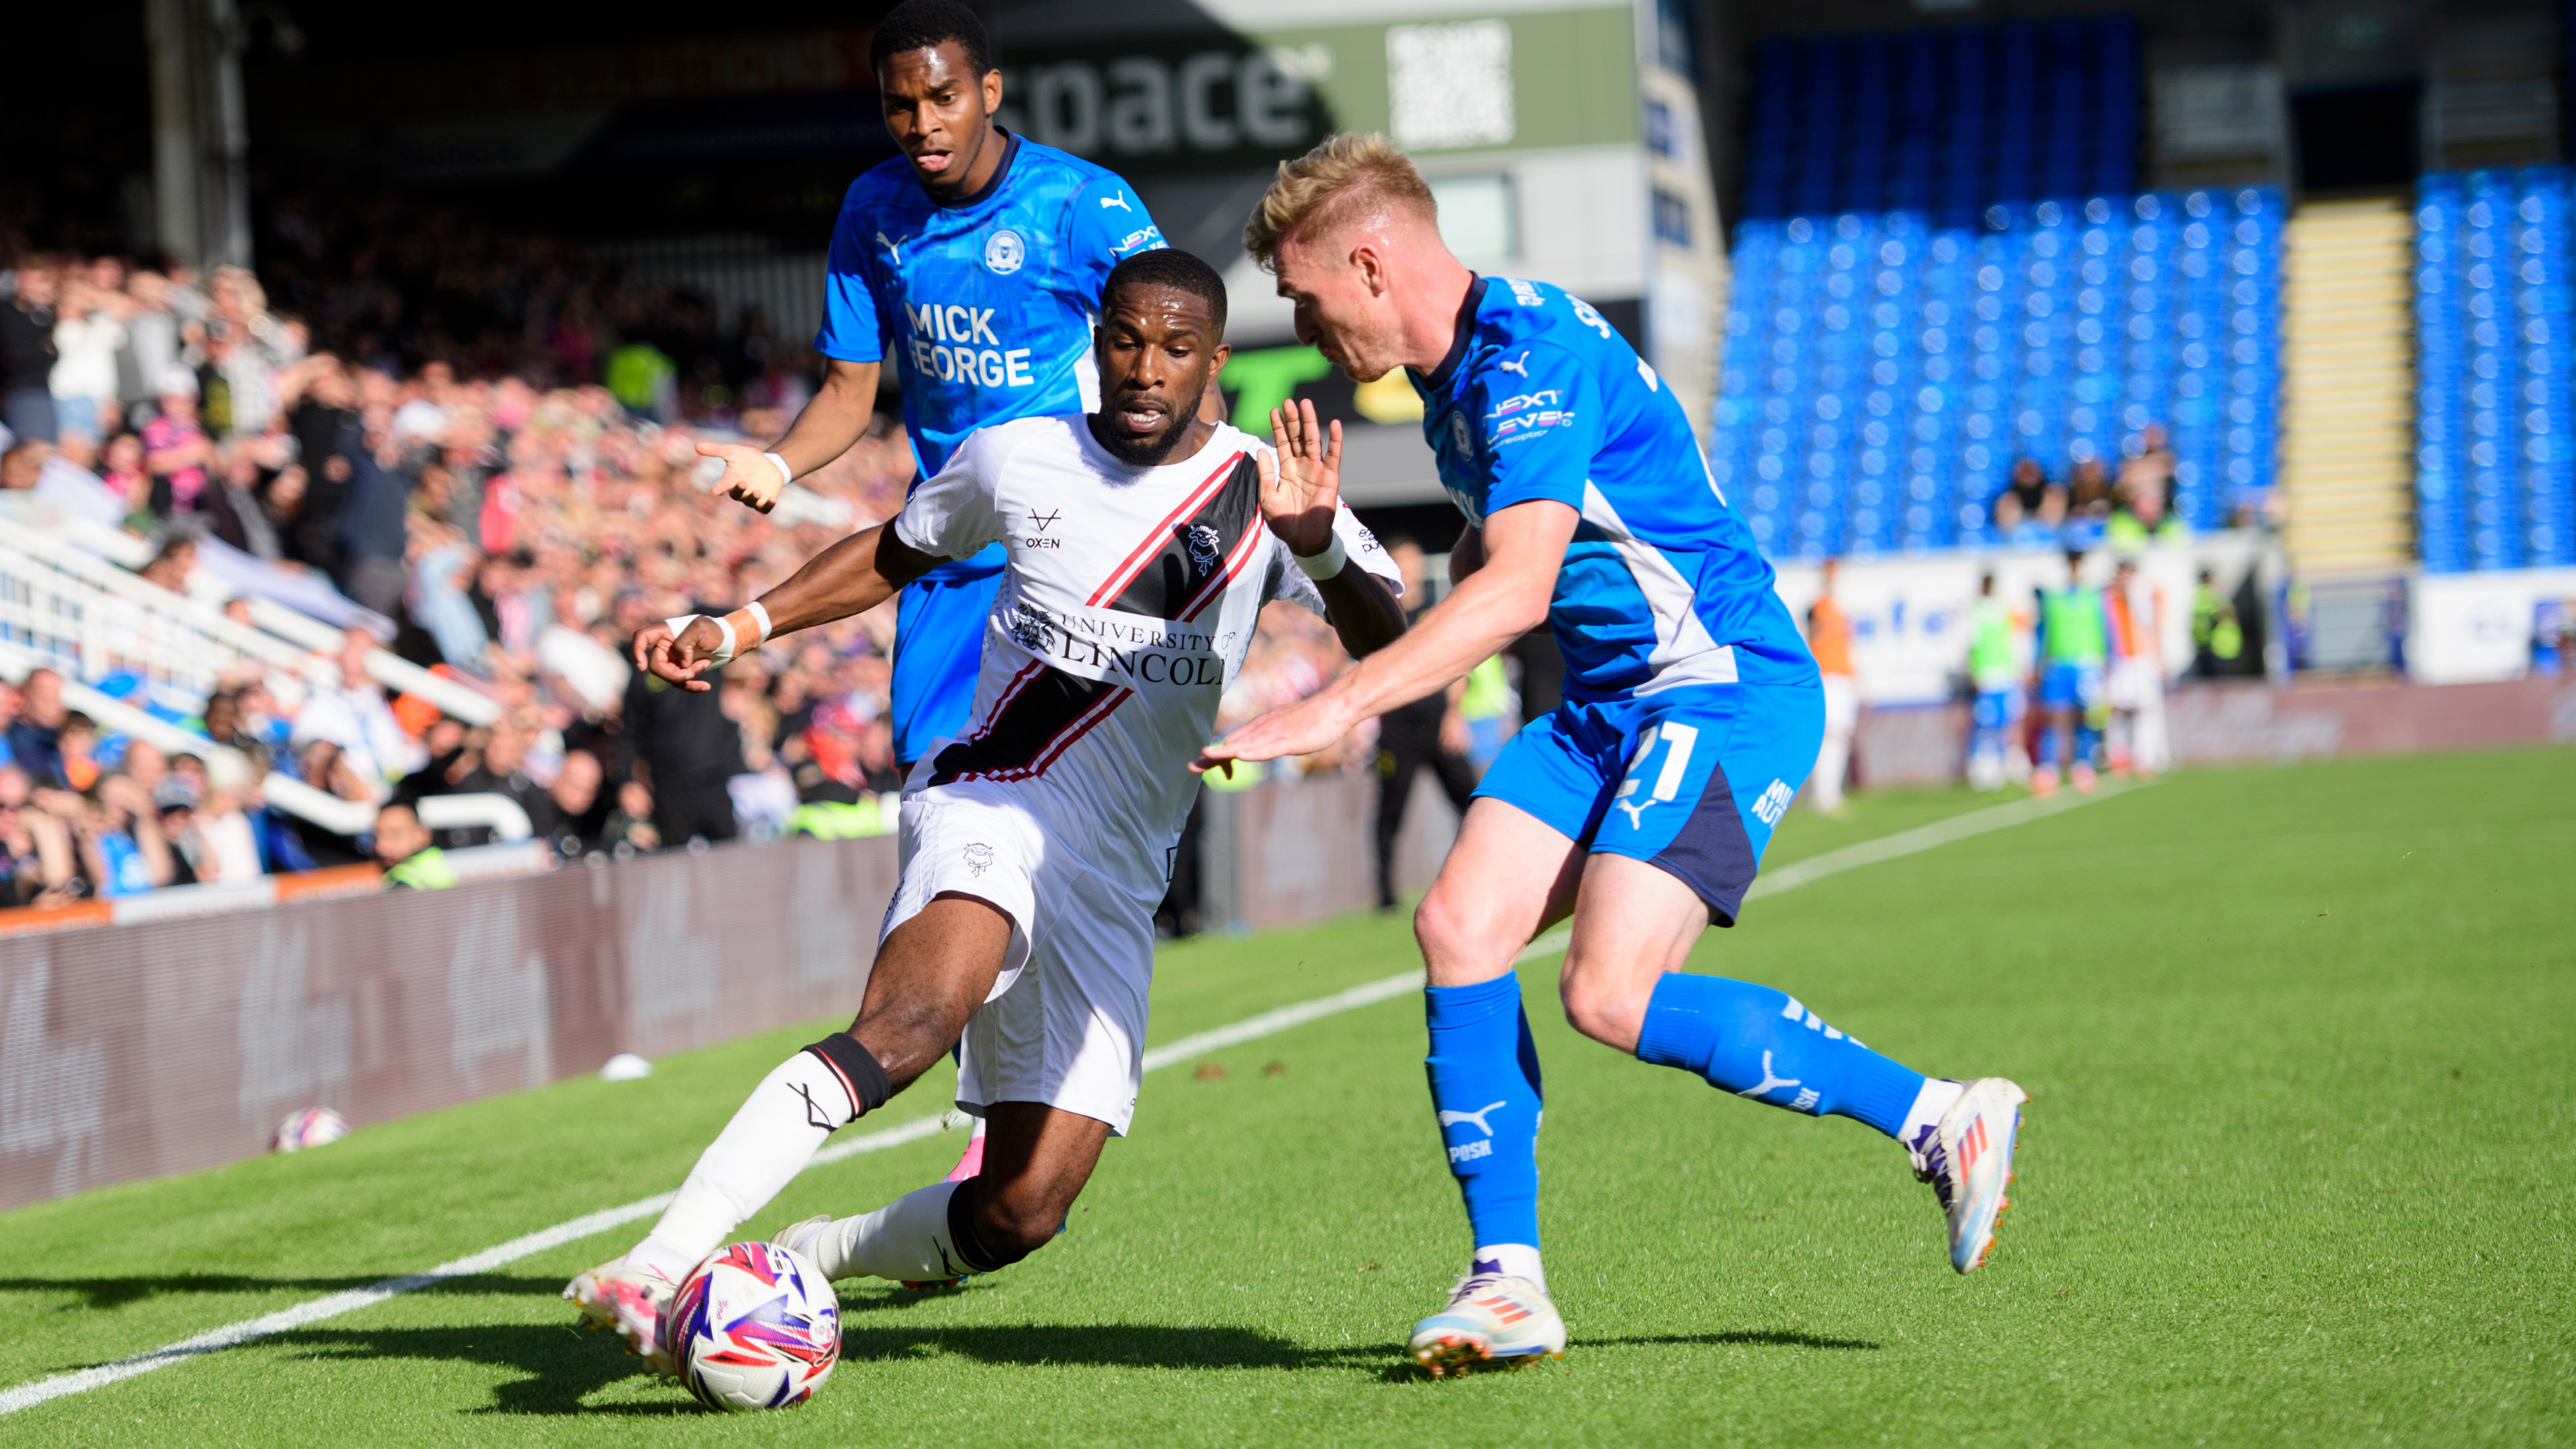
[1763, 1044]
[2048, 746]
[2088, 740]
[1485, 1086]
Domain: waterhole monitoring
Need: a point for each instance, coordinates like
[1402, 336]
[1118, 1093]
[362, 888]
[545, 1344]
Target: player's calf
[1037, 1164]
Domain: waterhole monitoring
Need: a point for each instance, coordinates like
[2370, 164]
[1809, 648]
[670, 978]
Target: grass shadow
[97, 1293]
[564, 1368]
[1406, 1371]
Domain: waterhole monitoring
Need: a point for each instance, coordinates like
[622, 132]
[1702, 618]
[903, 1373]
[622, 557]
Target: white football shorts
[1065, 1023]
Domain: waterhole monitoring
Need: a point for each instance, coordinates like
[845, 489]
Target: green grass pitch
[2302, 1043]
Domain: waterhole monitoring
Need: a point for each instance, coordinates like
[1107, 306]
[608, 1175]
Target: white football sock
[1516, 1260]
[1929, 1104]
[777, 1131]
[906, 1240]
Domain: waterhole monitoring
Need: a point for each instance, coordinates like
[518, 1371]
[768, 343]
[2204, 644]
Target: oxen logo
[1206, 548]
[979, 857]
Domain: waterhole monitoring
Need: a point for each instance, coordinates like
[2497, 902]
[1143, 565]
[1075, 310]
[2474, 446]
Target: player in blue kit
[1641, 806]
[976, 259]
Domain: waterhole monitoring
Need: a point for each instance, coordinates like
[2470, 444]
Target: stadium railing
[94, 563]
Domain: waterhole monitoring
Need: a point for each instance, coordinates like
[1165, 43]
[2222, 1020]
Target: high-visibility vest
[426, 871]
[2071, 619]
[1991, 664]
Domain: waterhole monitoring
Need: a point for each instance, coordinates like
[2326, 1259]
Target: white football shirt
[1126, 610]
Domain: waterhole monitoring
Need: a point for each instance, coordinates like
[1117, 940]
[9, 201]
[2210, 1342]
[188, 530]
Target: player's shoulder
[888, 183]
[1012, 434]
[1518, 310]
[1040, 167]
[1090, 193]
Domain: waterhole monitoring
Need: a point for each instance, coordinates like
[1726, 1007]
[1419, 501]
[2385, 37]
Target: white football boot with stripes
[1492, 1321]
[1968, 1159]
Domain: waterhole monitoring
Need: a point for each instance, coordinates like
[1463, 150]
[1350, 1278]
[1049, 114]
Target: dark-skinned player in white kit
[1143, 541]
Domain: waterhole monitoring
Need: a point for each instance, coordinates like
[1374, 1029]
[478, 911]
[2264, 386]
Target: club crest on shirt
[1029, 628]
[1004, 251]
[1206, 548]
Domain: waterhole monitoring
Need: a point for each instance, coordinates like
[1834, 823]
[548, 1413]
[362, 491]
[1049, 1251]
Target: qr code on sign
[1450, 85]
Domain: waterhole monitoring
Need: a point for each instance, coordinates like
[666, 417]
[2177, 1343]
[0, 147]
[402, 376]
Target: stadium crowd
[490, 515]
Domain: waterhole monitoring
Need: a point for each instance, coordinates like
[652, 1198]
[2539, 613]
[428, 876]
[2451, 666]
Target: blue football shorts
[1997, 709]
[938, 647]
[2071, 682]
[1690, 780]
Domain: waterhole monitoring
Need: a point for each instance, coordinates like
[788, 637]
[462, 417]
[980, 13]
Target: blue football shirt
[986, 304]
[1662, 584]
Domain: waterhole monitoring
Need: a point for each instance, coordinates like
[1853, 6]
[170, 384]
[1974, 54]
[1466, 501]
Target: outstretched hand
[1310, 725]
[749, 476]
[1302, 483]
[681, 658]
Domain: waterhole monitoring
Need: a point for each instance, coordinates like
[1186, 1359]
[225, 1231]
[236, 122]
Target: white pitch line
[1268, 1023]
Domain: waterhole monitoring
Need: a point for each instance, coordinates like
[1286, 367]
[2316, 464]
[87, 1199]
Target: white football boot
[1491, 1321]
[629, 1302]
[1968, 1160]
[799, 1238]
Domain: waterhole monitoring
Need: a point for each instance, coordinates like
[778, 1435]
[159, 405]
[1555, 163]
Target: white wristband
[724, 652]
[1327, 564]
[759, 616]
[786, 475]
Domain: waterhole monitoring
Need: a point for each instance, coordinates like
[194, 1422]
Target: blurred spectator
[356, 717]
[27, 355]
[2029, 497]
[77, 741]
[680, 745]
[35, 740]
[1829, 637]
[151, 338]
[35, 848]
[172, 565]
[319, 764]
[2088, 490]
[2136, 687]
[122, 850]
[371, 534]
[582, 808]
[411, 862]
[87, 336]
[501, 768]
[1428, 733]
[175, 447]
[2217, 635]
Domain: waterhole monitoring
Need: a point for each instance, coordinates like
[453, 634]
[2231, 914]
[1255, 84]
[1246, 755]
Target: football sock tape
[858, 1070]
[971, 1246]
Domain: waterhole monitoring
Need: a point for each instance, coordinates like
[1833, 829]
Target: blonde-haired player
[1642, 804]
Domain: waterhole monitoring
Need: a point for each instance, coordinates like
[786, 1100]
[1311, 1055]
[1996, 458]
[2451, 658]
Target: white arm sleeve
[956, 513]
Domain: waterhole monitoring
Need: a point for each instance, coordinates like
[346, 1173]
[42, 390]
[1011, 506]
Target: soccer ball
[754, 1327]
[309, 1127]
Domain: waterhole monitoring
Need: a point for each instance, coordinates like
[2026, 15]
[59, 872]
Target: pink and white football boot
[629, 1302]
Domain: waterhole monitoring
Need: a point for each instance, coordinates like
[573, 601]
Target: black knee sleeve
[971, 1246]
[860, 1075]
